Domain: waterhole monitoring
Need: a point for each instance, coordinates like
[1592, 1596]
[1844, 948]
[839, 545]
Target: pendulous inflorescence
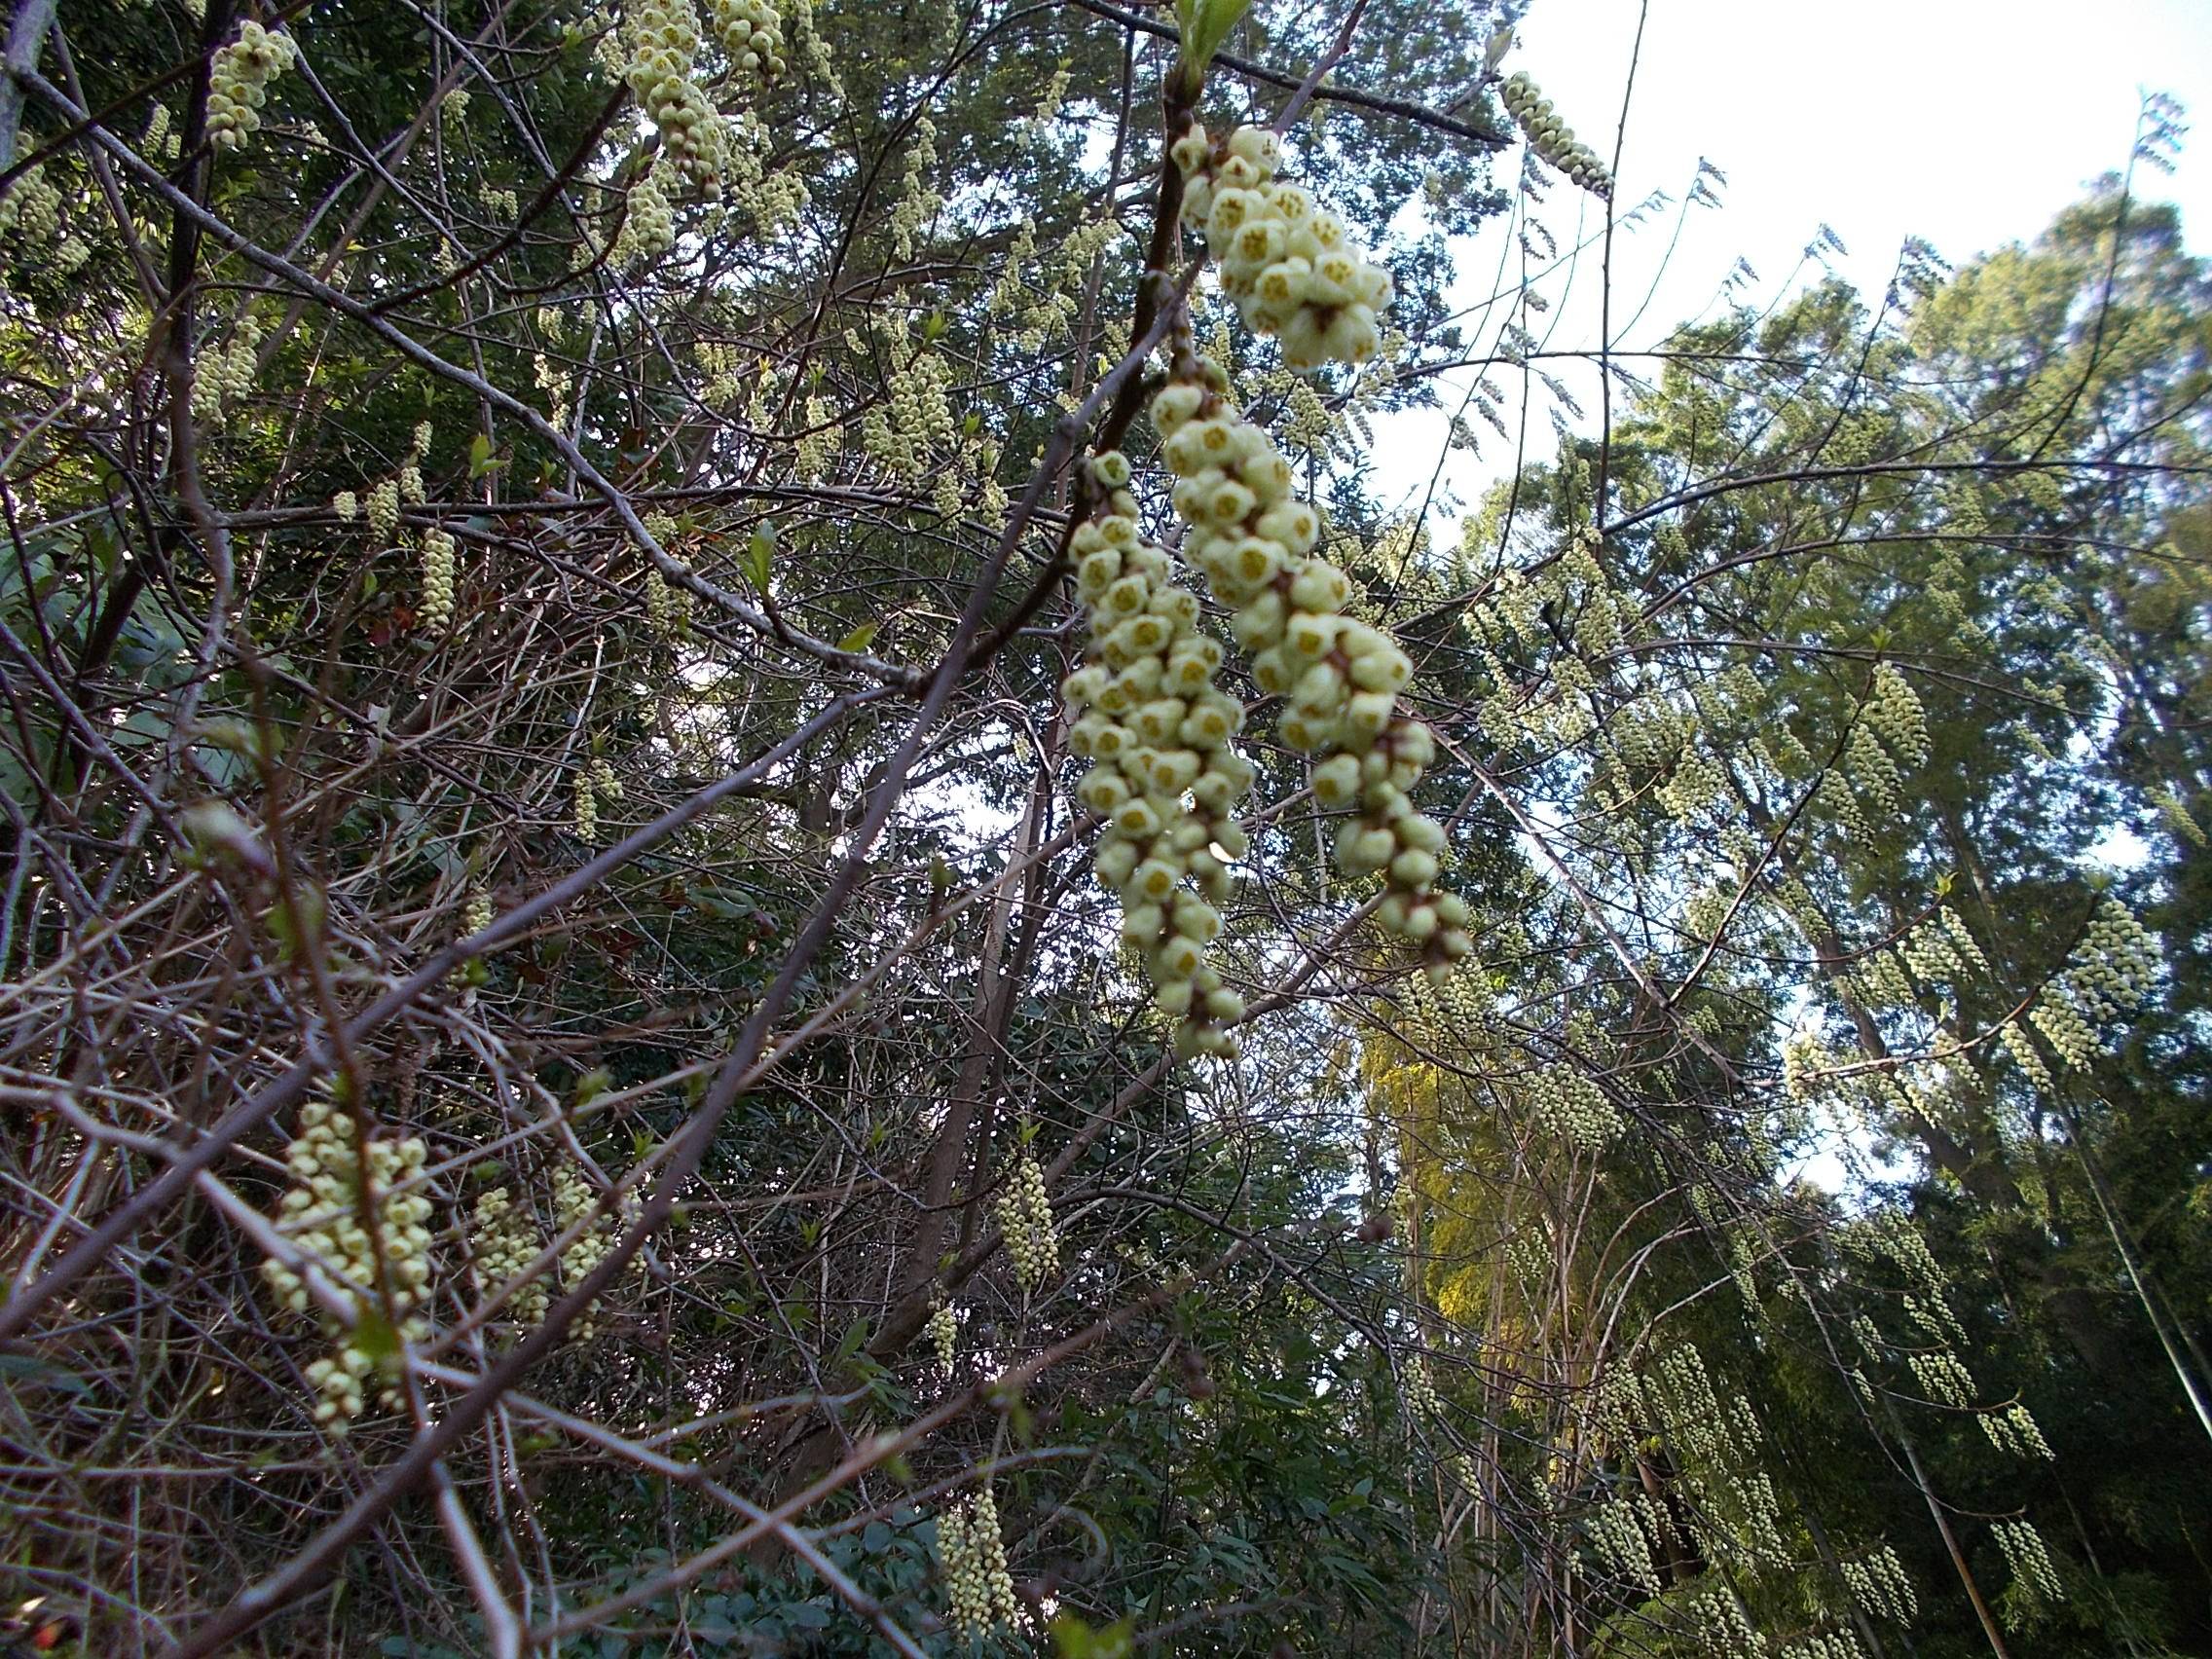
[943, 1332]
[437, 579]
[662, 45]
[1025, 1218]
[1145, 713]
[1553, 140]
[1283, 261]
[238, 81]
[224, 375]
[751, 35]
[595, 782]
[354, 1226]
[503, 1242]
[973, 1549]
[1340, 676]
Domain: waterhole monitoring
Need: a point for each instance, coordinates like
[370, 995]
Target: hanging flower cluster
[1568, 1104]
[224, 378]
[1283, 261]
[1553, 140]
[943, 1332]
[323, 1213]
[2030, 1562]
[437, 579]
[1341, 677]
[238, 81]
[595, 782]
[751, 33]
[917, 202]
[572, 1201]
[383, 509]
[2107, 977]
[1618, 1537]
[1725, 1628]
[1825, 1644]
[503, 1242]
[662, 41]
[32, 209]
[649, 220]
[1419, 1389]
[1025, 1218]
[977, 1582]
[477, 913]
[1880, 1585]
[2014, 1431]
[1145, 713]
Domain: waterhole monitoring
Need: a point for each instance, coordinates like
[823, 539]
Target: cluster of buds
[2013, 1431]
[383, 509]
[354, 1226]
[1340, 676]
[751, 33]
[594, 781]
[572, 1202]
[1569, 1106]
[32, 209]
[667, 608]
[943, 1331]
[1552, 139]
[1145, 713]
[1419, 1389]
[648, 221]
[238, 81]
[477, 912]
[223, 378]
[503, 1243]
[1026, 1219]
[1283, 261]
[2030, 1562]
[1616, 1534]
[410, 479]
[1880, 1585]
[1725, 1628]
[977, 1582]
[1836, 1643]
[1944, 1376]
[663, 43]
[437, 579]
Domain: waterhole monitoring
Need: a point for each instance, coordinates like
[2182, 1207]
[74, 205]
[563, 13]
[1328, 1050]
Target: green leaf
[860, 638]
[1206, 24]
[757, 554]
[480, 457]
[850, 1343]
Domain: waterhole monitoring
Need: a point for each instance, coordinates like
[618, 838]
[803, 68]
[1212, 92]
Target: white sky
[1968, 123]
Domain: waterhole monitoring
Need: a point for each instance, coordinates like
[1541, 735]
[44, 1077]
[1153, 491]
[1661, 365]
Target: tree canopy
[758, 903]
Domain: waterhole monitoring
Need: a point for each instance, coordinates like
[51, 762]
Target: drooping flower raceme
[1145, 713]
[751, 33]
[503, 1242]
[1283, 261]
[1553, 140]
[323, 1213]
[1025, 1218]
[662, 42]
[1339, 676]
[973, 1549]
[437, 579]
[238, 81]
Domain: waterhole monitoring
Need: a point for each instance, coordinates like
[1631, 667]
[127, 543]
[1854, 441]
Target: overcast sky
[1968, 123]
